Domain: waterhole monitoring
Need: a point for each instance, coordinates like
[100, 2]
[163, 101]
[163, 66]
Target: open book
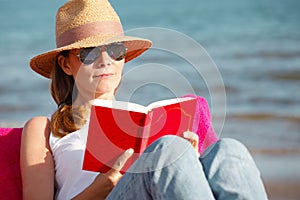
[116, 126]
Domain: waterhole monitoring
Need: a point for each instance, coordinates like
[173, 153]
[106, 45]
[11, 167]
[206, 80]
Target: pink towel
[10, 176]
[202, 124]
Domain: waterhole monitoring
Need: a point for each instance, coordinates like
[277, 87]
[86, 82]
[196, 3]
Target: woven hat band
[88, 30]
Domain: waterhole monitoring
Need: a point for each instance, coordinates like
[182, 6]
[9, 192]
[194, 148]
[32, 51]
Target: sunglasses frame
[107, 48]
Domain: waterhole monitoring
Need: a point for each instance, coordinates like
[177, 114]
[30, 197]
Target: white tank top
[68, 153]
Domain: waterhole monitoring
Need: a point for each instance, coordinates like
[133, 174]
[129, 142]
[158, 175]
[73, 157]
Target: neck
[85, 101]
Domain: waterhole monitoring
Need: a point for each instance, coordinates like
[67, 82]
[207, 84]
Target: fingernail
[129, 151]
[186, 134]
[190, 135]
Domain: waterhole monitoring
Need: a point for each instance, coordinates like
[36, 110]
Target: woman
[86, 65]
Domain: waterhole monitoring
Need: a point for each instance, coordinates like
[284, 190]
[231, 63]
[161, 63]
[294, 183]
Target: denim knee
[227, 146]
[226, 151]
[232, 172]
[232, 147]
[165, 142]
[163, 152]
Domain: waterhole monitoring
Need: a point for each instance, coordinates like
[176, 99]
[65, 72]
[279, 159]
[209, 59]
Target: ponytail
[66, 118]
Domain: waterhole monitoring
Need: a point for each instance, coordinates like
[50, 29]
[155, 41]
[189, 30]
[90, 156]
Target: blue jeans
[170, 169]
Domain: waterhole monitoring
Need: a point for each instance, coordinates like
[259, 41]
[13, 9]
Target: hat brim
[44, 63]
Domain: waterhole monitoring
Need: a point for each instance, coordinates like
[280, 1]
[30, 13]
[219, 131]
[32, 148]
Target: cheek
[120, 67]
[118, 78]
[119, 74]
[82, 77]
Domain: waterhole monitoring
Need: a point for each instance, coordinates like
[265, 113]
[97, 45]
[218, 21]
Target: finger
[190, 135]
[120, 162]
[193, 138]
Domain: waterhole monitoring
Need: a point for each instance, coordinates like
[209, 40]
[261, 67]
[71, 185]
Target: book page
[122, 105]
[167, 102]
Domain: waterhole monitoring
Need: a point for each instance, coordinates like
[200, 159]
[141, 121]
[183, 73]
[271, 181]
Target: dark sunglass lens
[116, 51]
[89, 55]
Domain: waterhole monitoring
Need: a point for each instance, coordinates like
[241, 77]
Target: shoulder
[37, 123]
[37, 128]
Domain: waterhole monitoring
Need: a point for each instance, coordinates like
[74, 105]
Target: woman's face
[99, 79]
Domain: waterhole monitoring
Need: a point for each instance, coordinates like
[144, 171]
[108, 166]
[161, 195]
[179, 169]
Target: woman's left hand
[193, 139]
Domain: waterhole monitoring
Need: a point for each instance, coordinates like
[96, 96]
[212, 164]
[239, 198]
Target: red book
[116, 126]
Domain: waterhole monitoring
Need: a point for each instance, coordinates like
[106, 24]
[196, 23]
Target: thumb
[120, 162]
[190, 135]
[193, 138]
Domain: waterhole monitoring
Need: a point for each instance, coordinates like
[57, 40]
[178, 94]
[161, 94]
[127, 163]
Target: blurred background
[254, 43]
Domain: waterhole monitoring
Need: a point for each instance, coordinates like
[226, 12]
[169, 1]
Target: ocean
[250, 71]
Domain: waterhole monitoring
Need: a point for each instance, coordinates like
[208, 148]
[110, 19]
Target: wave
[265, 116]
[273, 151]
[268, 54]
[291, 75]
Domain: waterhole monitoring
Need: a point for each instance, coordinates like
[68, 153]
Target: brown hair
[66, 118]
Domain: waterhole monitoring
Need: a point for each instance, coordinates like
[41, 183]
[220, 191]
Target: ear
[64, 64]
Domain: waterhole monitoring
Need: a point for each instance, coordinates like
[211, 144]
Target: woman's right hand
[105, 182]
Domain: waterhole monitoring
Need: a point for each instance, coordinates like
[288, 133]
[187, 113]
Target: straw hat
[87, 23]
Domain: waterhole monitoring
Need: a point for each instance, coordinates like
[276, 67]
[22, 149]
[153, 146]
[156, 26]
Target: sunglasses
[116, 51]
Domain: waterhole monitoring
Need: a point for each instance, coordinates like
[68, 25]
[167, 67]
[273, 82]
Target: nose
[104, 59]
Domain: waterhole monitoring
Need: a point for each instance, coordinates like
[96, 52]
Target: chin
[105, 92]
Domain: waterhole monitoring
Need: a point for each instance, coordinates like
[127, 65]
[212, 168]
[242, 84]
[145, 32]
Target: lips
[104, 75]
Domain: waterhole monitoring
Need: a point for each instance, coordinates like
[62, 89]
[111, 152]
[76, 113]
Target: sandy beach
[283, 189]
[279, 174]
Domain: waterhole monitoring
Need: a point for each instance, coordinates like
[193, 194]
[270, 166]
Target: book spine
[146, 131]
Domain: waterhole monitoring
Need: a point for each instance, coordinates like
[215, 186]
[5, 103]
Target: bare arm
[101, 186]
[37, 165]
